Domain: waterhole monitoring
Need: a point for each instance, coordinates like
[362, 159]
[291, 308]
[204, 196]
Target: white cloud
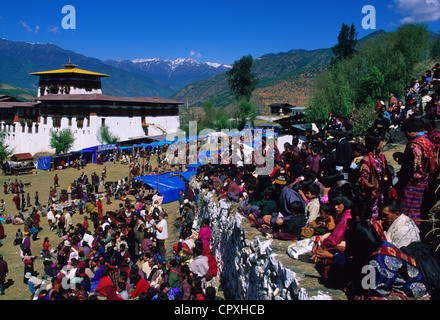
[28, 28]
[192, 53]
[417, 10]
[25, 25]
[53, 30]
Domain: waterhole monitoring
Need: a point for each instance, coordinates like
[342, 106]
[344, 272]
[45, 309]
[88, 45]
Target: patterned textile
[397, 275]
[372, 174]
[411, 200]
[424, 159]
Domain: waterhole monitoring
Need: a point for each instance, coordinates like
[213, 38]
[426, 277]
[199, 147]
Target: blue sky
[215, 31]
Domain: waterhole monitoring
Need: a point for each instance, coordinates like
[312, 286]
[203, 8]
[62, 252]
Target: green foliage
[380, 66]
[4, 148]
[370, 84]
[105, 136]
[244, 113]
[241, 80]
[215, 119]
[186, 114]
[61, 140]
[435, 48]
[347, 40]
[363, 118]
[332, 92]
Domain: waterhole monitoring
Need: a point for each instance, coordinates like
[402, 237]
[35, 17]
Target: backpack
[428, 264]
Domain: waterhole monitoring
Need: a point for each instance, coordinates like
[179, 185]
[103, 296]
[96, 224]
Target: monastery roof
[105, 98]
[69, 71]
[69, 68]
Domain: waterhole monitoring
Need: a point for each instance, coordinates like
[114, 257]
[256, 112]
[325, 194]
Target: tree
[245, 112]
[241, 80]
[105, 136]
[347, 40]
[215, 119]
[186, 114]
[61, 140]
[4, 148]
[435, 48]
[379, 66]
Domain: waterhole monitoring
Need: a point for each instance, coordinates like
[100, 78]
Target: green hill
[285, 77]
[19, 93]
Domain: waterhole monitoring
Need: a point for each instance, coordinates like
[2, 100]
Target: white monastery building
[72, 98]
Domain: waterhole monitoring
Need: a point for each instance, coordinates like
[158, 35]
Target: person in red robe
[16, 200]
[141, 286]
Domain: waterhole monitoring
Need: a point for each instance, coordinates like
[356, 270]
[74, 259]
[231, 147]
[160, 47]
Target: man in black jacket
[344, 153]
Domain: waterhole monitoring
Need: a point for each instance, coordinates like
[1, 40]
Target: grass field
[41, 181]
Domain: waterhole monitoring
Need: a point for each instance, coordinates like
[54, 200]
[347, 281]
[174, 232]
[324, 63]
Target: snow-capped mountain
[177, 73]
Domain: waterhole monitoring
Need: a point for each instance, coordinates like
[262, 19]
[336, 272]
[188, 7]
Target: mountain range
[285, 77]
[176, 73]
[142, 77]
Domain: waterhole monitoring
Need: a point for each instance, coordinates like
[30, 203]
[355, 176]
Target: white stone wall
[248, 270]
[125, 128]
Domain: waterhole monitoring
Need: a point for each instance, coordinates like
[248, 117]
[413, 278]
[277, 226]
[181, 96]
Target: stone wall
[248, 270]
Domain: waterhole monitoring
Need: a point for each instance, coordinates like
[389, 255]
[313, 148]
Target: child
[46, 246]
[312, 192]
[18, 237]
[323, 224]
[81, 206]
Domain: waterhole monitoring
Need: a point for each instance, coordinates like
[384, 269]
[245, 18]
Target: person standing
[372, 172]
[37, 201]
[161, 234]
[56, 181]
[23, 202]
[16, 200]
[418, 165]
[3, 273]
[344, 153]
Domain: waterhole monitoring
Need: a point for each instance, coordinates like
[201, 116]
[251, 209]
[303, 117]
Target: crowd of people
[340, 192]
[336, 190]
[113, 255]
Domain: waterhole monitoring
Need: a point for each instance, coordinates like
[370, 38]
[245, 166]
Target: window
[102, 121]
[70, 121]
[30, 128]
[79, 122]
[44, 119]
[56, 122]
[36, 128]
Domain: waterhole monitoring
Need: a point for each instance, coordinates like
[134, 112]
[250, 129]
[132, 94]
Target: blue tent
[169, 185]
[44, 163]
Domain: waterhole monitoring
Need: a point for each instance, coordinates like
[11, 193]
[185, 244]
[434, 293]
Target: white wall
[124, 127]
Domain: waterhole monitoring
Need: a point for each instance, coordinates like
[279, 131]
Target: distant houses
[290, 117]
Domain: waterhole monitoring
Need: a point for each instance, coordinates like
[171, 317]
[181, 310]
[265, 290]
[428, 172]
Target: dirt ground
[41, 181]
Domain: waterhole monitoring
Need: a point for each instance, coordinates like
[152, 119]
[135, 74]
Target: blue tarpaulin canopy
[44, 163]
[169, 184]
